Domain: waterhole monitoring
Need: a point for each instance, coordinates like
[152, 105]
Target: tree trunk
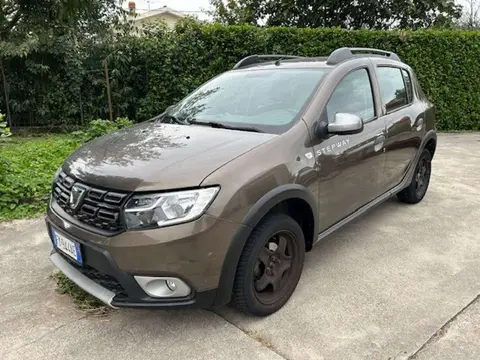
[107, 79]
[7, 99]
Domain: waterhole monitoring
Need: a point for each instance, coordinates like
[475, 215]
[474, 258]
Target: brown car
[219, 198]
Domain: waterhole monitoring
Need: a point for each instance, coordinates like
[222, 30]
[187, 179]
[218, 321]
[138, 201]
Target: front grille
[107, 281]
[96, 207]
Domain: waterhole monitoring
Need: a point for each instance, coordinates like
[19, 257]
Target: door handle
[379, 142]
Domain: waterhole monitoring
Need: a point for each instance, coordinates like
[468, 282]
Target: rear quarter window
[392, 88]
[408, 85]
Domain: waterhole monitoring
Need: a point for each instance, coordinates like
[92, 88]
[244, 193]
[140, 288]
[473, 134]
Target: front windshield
[267, 99]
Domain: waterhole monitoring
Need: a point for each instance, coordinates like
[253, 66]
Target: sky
[197, 7]
[193, 7]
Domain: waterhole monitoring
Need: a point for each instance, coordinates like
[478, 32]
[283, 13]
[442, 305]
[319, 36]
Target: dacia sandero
[218, 199]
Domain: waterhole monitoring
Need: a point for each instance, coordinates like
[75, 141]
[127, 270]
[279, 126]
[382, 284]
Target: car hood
[155, 156]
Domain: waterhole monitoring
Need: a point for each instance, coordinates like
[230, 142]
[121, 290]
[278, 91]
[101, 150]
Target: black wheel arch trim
[253, 217]
[431, 134]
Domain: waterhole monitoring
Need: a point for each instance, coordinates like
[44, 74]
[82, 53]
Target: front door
[351, 166]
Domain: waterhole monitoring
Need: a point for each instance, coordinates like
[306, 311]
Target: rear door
[402, 114]
[351, 166]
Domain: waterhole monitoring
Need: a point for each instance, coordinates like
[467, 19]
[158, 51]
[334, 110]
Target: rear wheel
[417, 189]
[270, 266]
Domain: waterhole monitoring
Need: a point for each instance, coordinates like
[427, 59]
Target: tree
[58, 28]
[232, 12]
[471, 15]
[25, 24]
[350, 14]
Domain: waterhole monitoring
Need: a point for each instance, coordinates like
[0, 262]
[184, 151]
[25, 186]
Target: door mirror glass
[345, 124]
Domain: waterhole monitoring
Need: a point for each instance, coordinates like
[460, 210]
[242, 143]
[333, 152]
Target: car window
[392, 88]
[353, 95]
[268, 99]
[408, 85]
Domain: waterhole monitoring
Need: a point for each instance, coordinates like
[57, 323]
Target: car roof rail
[345, 53]
[255, 59]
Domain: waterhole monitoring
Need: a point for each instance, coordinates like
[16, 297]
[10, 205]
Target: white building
[162, 15]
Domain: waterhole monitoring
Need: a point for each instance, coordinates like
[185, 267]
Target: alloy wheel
[273, 267]
[422, 177]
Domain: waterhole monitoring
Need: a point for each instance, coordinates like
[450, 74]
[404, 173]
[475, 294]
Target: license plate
[67, 246]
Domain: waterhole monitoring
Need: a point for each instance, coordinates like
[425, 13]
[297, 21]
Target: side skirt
[367, 207]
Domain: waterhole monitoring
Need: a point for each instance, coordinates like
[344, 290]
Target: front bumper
[81, 280]
[115, 300]
[110, 263]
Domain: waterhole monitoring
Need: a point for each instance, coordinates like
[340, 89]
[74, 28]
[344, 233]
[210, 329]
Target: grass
[27, 167]
[82, 300]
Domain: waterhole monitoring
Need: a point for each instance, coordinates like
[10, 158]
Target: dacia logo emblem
[76, 196]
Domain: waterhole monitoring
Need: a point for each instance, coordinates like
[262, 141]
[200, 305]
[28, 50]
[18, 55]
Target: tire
[417, 189]
[268, 271]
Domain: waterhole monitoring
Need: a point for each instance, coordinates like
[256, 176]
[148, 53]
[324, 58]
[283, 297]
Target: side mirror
[345, 124]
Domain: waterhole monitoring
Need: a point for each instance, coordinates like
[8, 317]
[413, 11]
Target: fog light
[171, 285]
[163, 287]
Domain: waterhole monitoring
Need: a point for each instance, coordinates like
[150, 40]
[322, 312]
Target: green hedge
[447, 62]
[164, 66]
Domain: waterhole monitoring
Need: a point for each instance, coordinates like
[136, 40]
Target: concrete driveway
[403, 282]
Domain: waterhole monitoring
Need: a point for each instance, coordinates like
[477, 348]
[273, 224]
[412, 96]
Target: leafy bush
[445, 61]
[3, 168]
[26, 177]
[152, 72]
[28, 173]
[4, 130]
[97, 128]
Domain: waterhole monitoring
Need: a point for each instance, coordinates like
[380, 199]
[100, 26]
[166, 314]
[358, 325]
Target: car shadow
[333, 243]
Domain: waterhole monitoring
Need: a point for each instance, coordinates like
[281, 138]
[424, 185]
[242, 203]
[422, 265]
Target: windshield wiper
[165, 116]
[219, 125]
[174, 119]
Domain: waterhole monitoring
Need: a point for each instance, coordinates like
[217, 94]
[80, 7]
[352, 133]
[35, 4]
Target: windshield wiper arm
[165, 116]
[219, 125]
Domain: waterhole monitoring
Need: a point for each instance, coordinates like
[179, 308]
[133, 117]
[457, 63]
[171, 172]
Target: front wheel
[417, 189]
[270, 266]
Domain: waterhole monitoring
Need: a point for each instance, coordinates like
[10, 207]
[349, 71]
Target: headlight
[157, 210]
